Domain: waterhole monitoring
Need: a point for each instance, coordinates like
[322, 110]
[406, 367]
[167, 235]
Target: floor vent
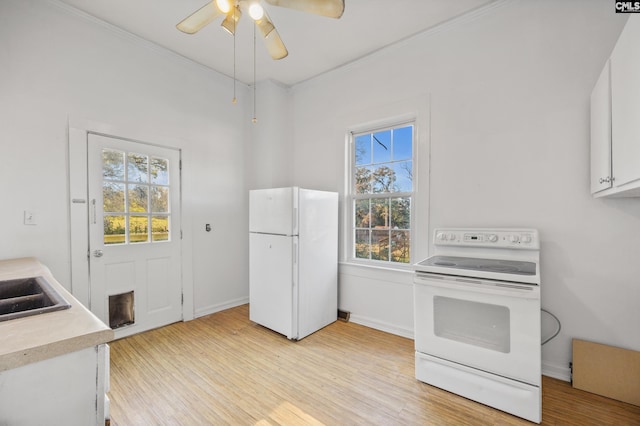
[343, 315]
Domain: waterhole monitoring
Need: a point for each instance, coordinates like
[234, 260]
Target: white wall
[509, 123]
[509, 140]
[270, 152]
[55, 66]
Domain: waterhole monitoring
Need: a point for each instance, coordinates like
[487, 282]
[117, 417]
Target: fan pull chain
[234, 100]
[254, 120]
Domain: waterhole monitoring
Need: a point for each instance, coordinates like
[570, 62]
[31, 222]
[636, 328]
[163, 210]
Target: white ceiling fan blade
[201, 17]
[328, 8]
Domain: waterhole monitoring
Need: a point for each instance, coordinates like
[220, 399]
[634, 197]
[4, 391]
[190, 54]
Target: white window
[135, 189]
[382, 194]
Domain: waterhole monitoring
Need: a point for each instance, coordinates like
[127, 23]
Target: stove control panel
[497, 238]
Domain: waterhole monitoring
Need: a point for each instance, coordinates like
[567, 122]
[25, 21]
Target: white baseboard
[557, 372]
[382, 326]
[212, 309]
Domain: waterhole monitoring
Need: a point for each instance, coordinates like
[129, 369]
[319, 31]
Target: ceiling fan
[233, 10]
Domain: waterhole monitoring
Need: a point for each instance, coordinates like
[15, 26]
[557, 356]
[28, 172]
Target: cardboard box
[607, 371]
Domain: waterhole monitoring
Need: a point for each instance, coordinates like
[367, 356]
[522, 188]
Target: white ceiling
[316, 44]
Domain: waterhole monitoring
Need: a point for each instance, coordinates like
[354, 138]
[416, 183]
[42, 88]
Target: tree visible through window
[382, 192]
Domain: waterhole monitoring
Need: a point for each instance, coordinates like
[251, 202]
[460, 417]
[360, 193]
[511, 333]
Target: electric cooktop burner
[489, 265]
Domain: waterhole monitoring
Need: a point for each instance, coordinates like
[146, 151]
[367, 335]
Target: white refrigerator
[293, 260]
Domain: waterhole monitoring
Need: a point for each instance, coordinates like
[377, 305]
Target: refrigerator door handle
[295, 221]
[295, 253]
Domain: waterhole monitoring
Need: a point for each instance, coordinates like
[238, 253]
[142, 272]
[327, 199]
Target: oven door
[492, 326]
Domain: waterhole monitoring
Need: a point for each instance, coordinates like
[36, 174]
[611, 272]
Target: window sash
[354, 197]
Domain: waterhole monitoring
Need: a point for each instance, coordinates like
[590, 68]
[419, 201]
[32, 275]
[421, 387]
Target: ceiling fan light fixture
[256, 11]
[231, 20]
[223, 5]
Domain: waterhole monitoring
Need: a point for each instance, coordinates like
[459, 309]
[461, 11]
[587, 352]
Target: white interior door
[134, 233]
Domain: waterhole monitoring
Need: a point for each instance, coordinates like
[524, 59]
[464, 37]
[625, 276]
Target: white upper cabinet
[625, 104]
[615, 119]
[601, 133]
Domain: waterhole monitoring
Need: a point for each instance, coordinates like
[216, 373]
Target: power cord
[559, 326]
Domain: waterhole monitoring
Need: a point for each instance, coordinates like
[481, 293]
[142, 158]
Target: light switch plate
[29, 217]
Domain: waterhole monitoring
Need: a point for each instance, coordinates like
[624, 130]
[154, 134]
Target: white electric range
[477, 317]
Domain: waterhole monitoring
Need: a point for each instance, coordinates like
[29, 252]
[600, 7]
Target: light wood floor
[223, 369]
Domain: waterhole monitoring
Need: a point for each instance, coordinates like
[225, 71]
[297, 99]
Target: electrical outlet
[29, 217]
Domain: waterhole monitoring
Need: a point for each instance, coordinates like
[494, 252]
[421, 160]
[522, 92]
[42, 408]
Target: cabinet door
[601, 133]
[625, 104]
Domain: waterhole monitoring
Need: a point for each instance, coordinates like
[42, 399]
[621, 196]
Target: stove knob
[451, 237]
[493, 238]
[441, 236]
[526, 238]
[514, 238]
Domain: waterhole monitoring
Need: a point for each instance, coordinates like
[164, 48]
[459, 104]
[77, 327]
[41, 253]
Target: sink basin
[23, 297]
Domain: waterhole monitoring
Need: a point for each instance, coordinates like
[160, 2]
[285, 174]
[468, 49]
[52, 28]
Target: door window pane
[137, 168]
[113, 197]
[114, 229]
[112, 164]
[136, 187]
[159, 199]
[159, 228]
[159, 171]
[138, 198]
[138, 229]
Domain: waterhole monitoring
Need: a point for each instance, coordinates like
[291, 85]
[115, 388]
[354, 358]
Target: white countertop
[39, 337]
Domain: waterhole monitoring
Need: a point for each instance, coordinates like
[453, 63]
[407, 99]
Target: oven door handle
[503, 288]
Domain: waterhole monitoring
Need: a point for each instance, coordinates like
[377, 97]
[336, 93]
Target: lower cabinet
[67, 390]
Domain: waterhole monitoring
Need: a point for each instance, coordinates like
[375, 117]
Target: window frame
[352, 197]
[127, 214]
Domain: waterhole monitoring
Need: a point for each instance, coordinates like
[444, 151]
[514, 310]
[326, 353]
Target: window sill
[402, 275]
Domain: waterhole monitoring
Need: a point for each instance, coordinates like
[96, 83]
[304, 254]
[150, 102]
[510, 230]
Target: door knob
[97, 253]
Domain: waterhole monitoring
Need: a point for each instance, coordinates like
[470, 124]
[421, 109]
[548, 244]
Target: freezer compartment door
[271, 282]
[274, 211]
